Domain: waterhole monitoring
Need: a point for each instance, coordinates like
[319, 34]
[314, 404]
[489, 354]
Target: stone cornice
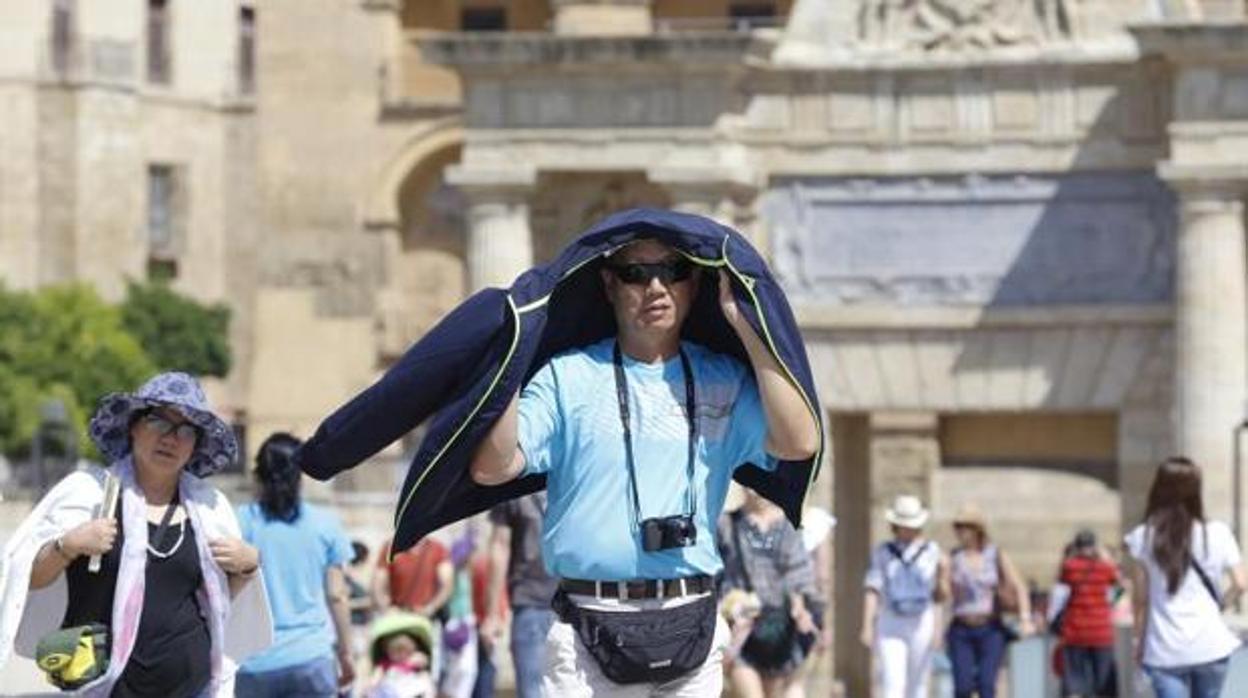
[1190, 42]
[1107, 51]
[864, 317]
[504, 50]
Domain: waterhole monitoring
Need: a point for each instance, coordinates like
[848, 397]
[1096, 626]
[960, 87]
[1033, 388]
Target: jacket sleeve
[420, 383]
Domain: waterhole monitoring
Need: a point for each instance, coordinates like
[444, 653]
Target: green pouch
[73, 657]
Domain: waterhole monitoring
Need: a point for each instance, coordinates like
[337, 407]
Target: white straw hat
[907, 512]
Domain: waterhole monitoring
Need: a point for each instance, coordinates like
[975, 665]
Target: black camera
[667, 532]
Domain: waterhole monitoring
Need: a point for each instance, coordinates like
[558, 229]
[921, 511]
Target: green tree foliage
[61, 343]
[178, 333]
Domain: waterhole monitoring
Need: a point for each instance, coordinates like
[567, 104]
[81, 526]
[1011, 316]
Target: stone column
[602, 17]
[1209, 330]
[500, 243]
[876, 457]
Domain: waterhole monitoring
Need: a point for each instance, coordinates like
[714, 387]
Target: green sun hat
[395, 623]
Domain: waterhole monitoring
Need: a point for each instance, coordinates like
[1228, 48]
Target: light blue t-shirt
[569, 428]
[293, 559]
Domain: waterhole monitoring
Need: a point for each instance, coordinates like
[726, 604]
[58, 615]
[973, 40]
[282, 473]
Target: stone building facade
[127, 148]
[1013, 231]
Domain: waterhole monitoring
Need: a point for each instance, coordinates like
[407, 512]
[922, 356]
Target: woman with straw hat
[984, 584]
[163, 589]
[901, 615]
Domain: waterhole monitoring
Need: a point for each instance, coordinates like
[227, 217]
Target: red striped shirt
[1088, 621]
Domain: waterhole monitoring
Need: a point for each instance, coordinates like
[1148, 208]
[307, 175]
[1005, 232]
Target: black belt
[641, 588]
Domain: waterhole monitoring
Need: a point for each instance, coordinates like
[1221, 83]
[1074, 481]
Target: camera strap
[621, 392]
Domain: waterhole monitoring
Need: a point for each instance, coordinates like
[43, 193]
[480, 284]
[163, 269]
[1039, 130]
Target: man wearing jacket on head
[638, 437]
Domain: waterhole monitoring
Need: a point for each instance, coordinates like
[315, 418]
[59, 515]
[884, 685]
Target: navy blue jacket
[467, 368]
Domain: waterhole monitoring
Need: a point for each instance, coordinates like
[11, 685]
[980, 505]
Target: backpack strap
[735, 518]
[897, 553]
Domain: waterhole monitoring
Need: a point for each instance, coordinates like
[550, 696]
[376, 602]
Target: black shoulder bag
[643, 646]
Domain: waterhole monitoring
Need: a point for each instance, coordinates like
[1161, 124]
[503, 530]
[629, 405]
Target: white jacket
[238, 627]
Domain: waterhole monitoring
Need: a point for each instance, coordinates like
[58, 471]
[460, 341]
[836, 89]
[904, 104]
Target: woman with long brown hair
[1182, 562]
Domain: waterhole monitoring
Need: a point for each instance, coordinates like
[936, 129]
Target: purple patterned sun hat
[110, 427]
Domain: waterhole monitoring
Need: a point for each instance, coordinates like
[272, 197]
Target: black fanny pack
[644, 646]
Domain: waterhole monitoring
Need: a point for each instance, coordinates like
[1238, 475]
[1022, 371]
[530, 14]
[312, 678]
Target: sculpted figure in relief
[961, 24]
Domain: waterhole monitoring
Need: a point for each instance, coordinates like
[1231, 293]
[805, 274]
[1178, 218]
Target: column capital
[904, 422]
[493, 182]
[1207, 188]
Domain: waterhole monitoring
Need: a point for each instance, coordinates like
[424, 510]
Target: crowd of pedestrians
[624, 577]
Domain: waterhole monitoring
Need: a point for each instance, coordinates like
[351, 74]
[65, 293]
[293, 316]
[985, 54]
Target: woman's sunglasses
[642, 273]
[162, 426]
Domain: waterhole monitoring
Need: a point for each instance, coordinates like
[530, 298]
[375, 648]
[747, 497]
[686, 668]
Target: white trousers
[572, 672]
[903, 652]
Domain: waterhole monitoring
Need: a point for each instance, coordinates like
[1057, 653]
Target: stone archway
[382, 206]
[422, 217]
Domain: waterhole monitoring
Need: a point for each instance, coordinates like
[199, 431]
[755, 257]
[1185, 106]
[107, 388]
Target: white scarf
[238, 627]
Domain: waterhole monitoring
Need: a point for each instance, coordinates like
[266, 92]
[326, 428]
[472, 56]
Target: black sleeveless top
[172, 653]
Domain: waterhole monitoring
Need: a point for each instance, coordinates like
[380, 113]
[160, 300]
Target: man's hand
[727, 302]
[91, 538]
[867, 637]
[234, 556]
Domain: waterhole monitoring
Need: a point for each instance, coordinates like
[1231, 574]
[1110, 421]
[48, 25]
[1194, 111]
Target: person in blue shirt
[639, 436]
[305, 552]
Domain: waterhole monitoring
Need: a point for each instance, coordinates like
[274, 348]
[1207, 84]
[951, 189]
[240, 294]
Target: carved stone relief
[1000, 240]
[955, 25]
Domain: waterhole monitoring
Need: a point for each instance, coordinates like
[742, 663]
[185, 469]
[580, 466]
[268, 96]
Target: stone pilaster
[905, 451]
[602, 17]
[500, 242]
[875, 457]
[1210, 334]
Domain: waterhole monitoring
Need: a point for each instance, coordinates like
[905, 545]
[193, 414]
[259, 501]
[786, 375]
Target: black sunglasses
[163, 426]
[642, 273]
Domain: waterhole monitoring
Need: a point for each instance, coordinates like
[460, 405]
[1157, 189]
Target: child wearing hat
[401, 648]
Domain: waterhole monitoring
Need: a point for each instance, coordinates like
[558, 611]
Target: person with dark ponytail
[305, 552]
[1181, 564]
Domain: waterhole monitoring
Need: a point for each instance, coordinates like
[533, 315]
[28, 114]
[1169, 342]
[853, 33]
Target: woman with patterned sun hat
[157, 592]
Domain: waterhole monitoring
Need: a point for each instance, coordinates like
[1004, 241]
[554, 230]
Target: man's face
[650, 300]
